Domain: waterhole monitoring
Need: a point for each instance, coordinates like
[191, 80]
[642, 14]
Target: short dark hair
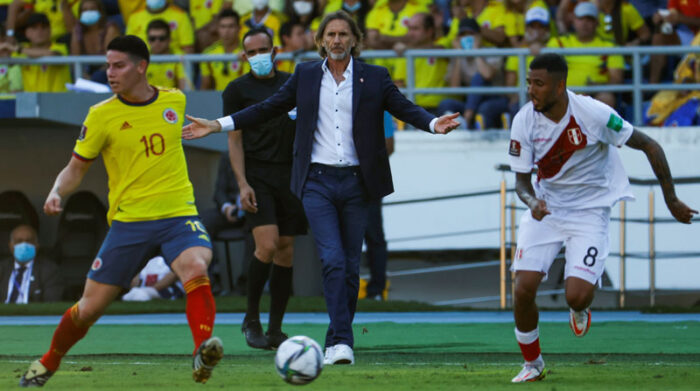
[131, 45]
[286, 29]
[354, 28]
[552, 63]
[229, 13]
[255, 31]
[158, 24]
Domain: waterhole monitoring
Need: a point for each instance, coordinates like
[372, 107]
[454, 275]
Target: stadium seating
[81, 229]
[15, 209]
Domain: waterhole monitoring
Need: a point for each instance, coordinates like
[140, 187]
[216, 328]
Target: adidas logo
[125, 126]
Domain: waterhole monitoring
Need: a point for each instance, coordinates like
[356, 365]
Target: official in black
[261, 157]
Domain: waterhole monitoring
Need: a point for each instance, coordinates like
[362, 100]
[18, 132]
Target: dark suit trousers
[335, 202]
[376, 249]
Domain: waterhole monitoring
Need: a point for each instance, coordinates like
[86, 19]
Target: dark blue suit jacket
[373, 92]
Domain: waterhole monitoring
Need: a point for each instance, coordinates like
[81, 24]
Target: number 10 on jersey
[155, 144]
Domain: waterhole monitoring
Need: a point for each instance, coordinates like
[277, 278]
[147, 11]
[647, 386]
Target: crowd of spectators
[37, 28]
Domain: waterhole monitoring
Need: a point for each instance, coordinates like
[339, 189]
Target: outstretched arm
[526, 193]
[67, 181]
[200, 127]
[657, 159]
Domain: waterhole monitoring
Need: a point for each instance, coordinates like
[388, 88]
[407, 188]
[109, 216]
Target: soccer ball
[299, 360]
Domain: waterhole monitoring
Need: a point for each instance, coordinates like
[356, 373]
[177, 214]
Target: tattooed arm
[523, 187]
[657, 159]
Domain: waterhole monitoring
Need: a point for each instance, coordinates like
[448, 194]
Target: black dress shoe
[275, 338]
[254, 334]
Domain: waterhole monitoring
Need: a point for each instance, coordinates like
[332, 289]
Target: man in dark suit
[26, 278]
[340, 161]
[227, 213]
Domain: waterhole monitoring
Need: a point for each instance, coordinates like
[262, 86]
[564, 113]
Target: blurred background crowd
[38, 28]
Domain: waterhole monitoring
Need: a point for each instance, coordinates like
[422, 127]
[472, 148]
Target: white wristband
[226, 123]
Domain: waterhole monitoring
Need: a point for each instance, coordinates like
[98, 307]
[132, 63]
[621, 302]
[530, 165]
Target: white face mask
[155, 5]
[260, 5]
[303, 7]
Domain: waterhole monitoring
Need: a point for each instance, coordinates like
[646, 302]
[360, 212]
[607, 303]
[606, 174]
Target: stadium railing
[651, 254]
[636, 87]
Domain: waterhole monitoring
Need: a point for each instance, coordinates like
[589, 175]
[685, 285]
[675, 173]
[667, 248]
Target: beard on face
[546, 106]
[339, 56]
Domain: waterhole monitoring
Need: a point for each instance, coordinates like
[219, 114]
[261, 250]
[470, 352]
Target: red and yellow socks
[69, 331]
[200, 309]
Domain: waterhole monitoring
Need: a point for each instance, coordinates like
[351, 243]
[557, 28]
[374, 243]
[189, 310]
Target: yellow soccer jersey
[222, 72]
[382, 19]
[513, 64]
[165, 74]
[584, 70]
[142, 151]
[273, 21]
[46, 78]
[285, 65]
[203, 11]
[492, 16]
[630, 18]
[181, 32]
[429, 73]
[52, 10]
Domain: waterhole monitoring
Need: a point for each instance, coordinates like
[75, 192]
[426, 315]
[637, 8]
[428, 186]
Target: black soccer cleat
[254, 337]
[275, 338]
[36, 376]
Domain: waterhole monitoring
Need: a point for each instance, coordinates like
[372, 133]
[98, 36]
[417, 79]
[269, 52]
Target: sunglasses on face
[153, 38]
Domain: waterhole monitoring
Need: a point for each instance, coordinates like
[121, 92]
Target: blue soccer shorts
[128, 246]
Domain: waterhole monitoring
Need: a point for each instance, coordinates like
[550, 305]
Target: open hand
[446, 123]
[199, 128]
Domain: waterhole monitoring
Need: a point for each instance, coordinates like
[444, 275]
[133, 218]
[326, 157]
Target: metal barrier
[636, 88]
[651, 221]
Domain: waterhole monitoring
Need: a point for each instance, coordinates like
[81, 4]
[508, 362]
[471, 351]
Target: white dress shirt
[333, 144]
[23, 297]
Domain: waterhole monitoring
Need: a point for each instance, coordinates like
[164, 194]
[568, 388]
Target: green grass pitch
[390, 356]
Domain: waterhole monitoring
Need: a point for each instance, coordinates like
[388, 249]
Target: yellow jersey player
[151, 207]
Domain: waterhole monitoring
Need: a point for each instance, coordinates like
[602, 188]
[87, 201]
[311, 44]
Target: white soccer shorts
[583, 232]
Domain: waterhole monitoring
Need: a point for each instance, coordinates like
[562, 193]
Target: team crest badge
[170, 116]
[83, 133]
[575, 135]
[96, 264]
[173, 25]
[519, 254]
[3, 70]
[514, 149]
[170, 74]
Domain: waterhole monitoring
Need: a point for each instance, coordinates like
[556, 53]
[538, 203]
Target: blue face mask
[90, 17]
[24, 252]
[352, 8]
[155, 5]
[261, 64]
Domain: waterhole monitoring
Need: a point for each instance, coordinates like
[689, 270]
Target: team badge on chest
[575, 136]
[170, 116]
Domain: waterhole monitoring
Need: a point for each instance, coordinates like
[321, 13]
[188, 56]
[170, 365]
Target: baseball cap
[38, 18]
[586, 9]
[537, 14]
[468, 25]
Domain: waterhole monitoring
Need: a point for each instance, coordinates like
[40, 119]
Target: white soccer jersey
[577, 169]
[154, 271]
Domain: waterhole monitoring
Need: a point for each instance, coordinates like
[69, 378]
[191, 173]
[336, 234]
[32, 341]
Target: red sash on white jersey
[570, 140]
